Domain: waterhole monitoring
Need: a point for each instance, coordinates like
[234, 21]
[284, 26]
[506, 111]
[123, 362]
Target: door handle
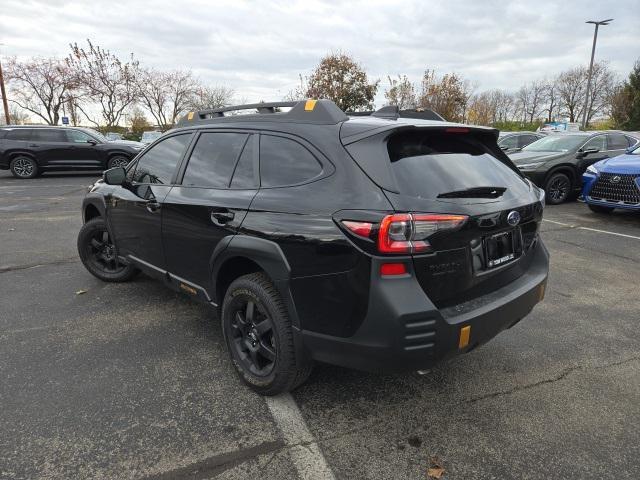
[34, 145]
[153, 206]
[221, 218]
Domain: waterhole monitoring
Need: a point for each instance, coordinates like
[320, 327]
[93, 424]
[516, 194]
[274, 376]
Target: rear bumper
[405, 331]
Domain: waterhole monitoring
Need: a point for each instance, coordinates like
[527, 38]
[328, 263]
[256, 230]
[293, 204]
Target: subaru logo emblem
[513, 218]
[616, 179]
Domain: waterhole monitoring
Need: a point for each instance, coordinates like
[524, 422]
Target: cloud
[259, 48]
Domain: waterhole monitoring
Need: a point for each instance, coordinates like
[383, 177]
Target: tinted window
[48, 135]
[213, 160]
[426, 165]
[76, 136]
[243, 176]
[555, 143]
[285, 162]
[158, 164]
[596, 142]
[19, 134]
[617, 141]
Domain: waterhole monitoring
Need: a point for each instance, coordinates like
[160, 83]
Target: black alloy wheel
[99, 255]
[260, 338]
[558, 188]
[252, 338]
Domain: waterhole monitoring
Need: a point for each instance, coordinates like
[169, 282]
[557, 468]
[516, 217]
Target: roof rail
[392, 112]
[305, 111]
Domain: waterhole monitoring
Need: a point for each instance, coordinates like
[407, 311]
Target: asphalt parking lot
[132, 380]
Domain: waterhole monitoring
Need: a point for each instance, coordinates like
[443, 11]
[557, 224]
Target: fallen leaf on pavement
[436, 470]
[80, 292]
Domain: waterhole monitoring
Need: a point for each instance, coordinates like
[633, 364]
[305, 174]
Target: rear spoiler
[393, 112]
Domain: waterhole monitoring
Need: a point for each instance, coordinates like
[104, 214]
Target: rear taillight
[410, 232]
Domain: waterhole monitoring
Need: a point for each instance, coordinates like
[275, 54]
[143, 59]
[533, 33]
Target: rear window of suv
[23, 134]
[427, 164]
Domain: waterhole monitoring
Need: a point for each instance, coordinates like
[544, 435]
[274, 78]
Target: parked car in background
[556, 162]
[515, 141]
[377, 242]
[150, 136]
[613, 183]
[30, 151]
[111, 136]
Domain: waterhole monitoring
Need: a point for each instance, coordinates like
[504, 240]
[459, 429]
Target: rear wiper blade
[475, 192]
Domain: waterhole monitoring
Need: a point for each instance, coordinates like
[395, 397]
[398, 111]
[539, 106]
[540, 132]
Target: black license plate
[500, 248]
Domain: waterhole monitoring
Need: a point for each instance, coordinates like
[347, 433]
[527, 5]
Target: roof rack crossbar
[321, 112]
[260, 107]
[392, 112]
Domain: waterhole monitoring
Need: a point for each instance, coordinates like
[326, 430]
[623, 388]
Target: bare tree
[340, 78]
[104, 79]
[17, 115]
[482, 109]
[297, 93]
[166, 95]
[571, 85]
[401, 93]
[602, 86]
[551, 100]
[40, 86]
[205, 97]
[530, 98]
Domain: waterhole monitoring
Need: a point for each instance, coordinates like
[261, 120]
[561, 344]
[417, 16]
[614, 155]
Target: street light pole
[593, 52]
[3, 92]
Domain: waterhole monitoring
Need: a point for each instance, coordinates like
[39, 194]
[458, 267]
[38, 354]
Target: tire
[98, 254]
[600, 209]
[558, 188]
[117, 161]
[260, 338]
[24, 167]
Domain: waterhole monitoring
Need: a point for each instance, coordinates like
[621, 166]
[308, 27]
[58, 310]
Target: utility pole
[593, 52]
[3, 92]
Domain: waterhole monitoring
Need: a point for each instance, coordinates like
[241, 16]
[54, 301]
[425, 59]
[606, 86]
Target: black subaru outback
[375, 242]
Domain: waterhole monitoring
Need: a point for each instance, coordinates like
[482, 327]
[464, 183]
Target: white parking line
[592, 229]
[307, 458]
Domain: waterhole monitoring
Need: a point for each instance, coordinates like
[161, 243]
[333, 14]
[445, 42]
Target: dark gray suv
[556, 162]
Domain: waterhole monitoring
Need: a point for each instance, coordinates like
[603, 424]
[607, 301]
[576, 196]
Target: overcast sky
[258, 48]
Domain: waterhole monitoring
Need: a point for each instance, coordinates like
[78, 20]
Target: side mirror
[114, 176]
[92, 142]
[584, 153]
[504, 147]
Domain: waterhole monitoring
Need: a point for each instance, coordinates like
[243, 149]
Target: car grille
[619, 188]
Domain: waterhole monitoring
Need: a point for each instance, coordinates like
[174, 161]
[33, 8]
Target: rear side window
[3, 133]
[427, 164]
[527, 139]
[158, 164]
[509, 142]
[617, 141]
[213, 160]
[23, 134]
[48, 135]
[285, 162]
[244, 175]
[632, 141]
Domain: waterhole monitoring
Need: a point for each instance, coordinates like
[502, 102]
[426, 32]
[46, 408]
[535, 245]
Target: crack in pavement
[14, 268]
[560, 376]
[218, 464]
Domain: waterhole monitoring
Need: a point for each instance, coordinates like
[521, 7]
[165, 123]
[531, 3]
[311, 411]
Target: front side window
[598, 142]
[555, 143]
[213, 159]
[76, 136]
[158, 164]
[48, 135]
[527, 139]
[285, 162]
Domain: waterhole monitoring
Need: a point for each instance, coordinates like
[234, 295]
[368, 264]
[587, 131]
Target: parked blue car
[613, 183]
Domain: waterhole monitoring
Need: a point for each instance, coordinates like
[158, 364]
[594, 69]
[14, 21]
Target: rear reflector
[389, 269]
[465, 334]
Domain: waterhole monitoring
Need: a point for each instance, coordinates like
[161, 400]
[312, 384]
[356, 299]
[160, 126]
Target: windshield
[149, 136]
[96, 134]
[559, 143]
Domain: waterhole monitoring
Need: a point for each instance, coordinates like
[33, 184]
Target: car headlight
[592, 169]
[530, 166]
